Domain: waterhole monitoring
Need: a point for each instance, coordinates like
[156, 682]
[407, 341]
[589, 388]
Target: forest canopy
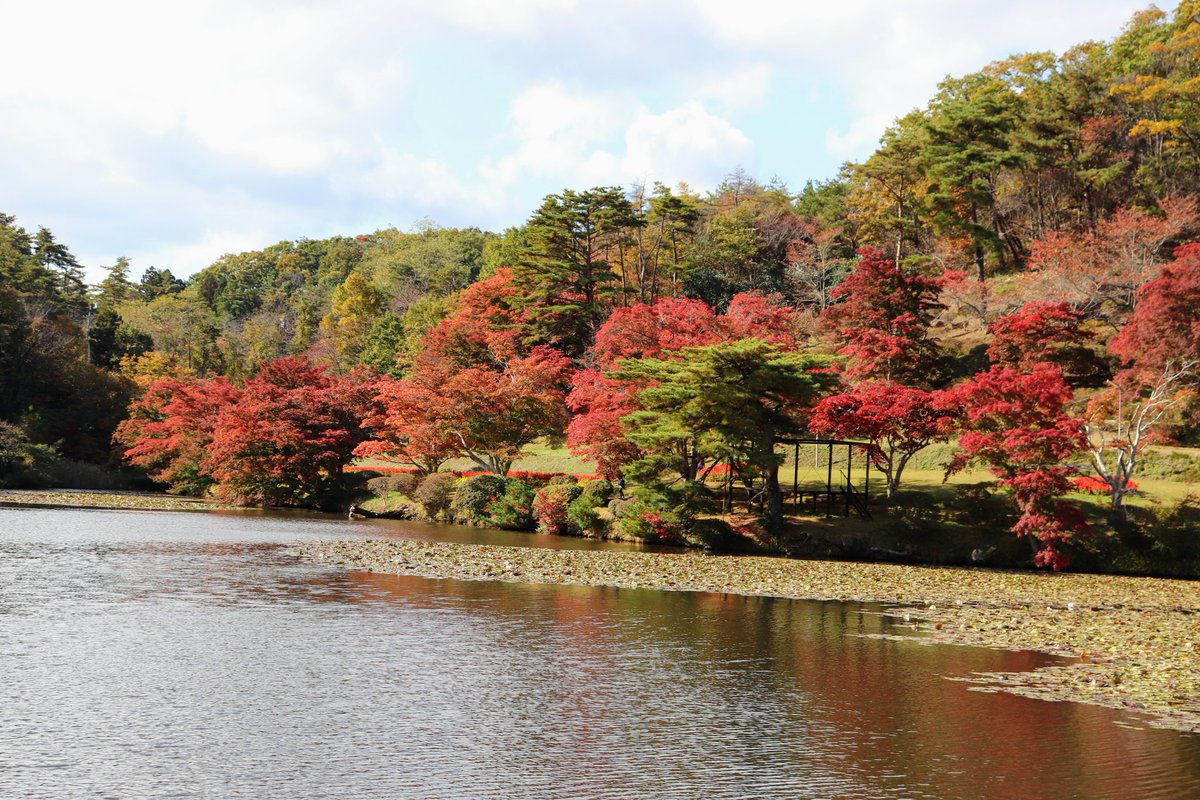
[1026, 231]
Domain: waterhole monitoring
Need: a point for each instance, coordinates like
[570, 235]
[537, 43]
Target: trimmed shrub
[394, 483]
[550, 508]
[1163, 540]
[435, 493]
[716, 534]
[474, 496]
[513, 510]
[643, 522]
[1175, 535]
[597, 492]
[585, 516]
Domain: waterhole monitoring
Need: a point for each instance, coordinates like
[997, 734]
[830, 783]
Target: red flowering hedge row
[383, 470]
[1089, 485]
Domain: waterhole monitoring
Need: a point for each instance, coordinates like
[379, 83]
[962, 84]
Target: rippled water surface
[192, 655]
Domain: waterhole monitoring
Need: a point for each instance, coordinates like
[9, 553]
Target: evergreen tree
[20, 269]
[71, 289]
[566, 275]
[732, 400]
[116, 287]
[157, 282]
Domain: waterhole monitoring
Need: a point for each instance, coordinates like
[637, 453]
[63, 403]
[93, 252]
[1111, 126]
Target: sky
[172, 133]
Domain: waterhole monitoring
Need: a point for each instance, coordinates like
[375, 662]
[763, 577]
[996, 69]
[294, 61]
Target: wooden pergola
[843, 497]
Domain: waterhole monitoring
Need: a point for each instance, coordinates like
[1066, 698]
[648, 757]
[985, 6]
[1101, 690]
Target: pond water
[193, 655]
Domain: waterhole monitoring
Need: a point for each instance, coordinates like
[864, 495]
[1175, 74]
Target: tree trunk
[772, 488]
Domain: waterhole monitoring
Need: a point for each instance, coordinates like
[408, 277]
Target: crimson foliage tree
[290, 436]
[882, 316]
[170, 430]
[283, 438]
[1016, 424]
[476, 389]
[1165, 327]
[1036, 332]
[598, 402]
[897, 420]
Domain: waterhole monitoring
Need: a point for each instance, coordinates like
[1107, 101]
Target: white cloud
[401, 178]
[204, 250]
[280, 90]
[582, 139]
[503, 16]
[787, 27]
[171, 132]
[886, 58]
[738, 87]
[556, 132]
[683, 144]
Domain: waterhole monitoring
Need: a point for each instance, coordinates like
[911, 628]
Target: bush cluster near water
[561, 505]
[487, 500]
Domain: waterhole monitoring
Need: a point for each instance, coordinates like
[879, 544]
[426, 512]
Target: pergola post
[796, 481]
[829, 483]
[849, 475]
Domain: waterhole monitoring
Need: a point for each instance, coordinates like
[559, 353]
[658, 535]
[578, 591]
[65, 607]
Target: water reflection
[158, 654]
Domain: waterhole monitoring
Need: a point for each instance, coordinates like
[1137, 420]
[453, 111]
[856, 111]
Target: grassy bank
[1134, 642]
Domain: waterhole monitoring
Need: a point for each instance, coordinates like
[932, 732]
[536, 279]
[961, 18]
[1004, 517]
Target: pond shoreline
[1133, 643]
[105, 500]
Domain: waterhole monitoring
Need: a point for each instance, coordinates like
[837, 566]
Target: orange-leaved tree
[476, 388]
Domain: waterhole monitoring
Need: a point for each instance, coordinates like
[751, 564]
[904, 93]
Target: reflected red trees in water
[826, 667]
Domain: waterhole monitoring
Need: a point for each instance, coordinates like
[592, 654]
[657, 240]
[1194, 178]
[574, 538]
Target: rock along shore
[1134, 642]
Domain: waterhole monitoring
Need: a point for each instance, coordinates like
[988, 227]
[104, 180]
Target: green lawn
[925, 473]
[539, 457]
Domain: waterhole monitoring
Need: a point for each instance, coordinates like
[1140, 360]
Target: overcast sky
[174, 132]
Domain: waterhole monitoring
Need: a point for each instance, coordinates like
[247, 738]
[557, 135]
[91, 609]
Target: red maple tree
[1165, 327]
[897, 420]
[1017, 425]
[598, 403]
[1039, 331]
[882, 316]
[290, 435]
[170, 430]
